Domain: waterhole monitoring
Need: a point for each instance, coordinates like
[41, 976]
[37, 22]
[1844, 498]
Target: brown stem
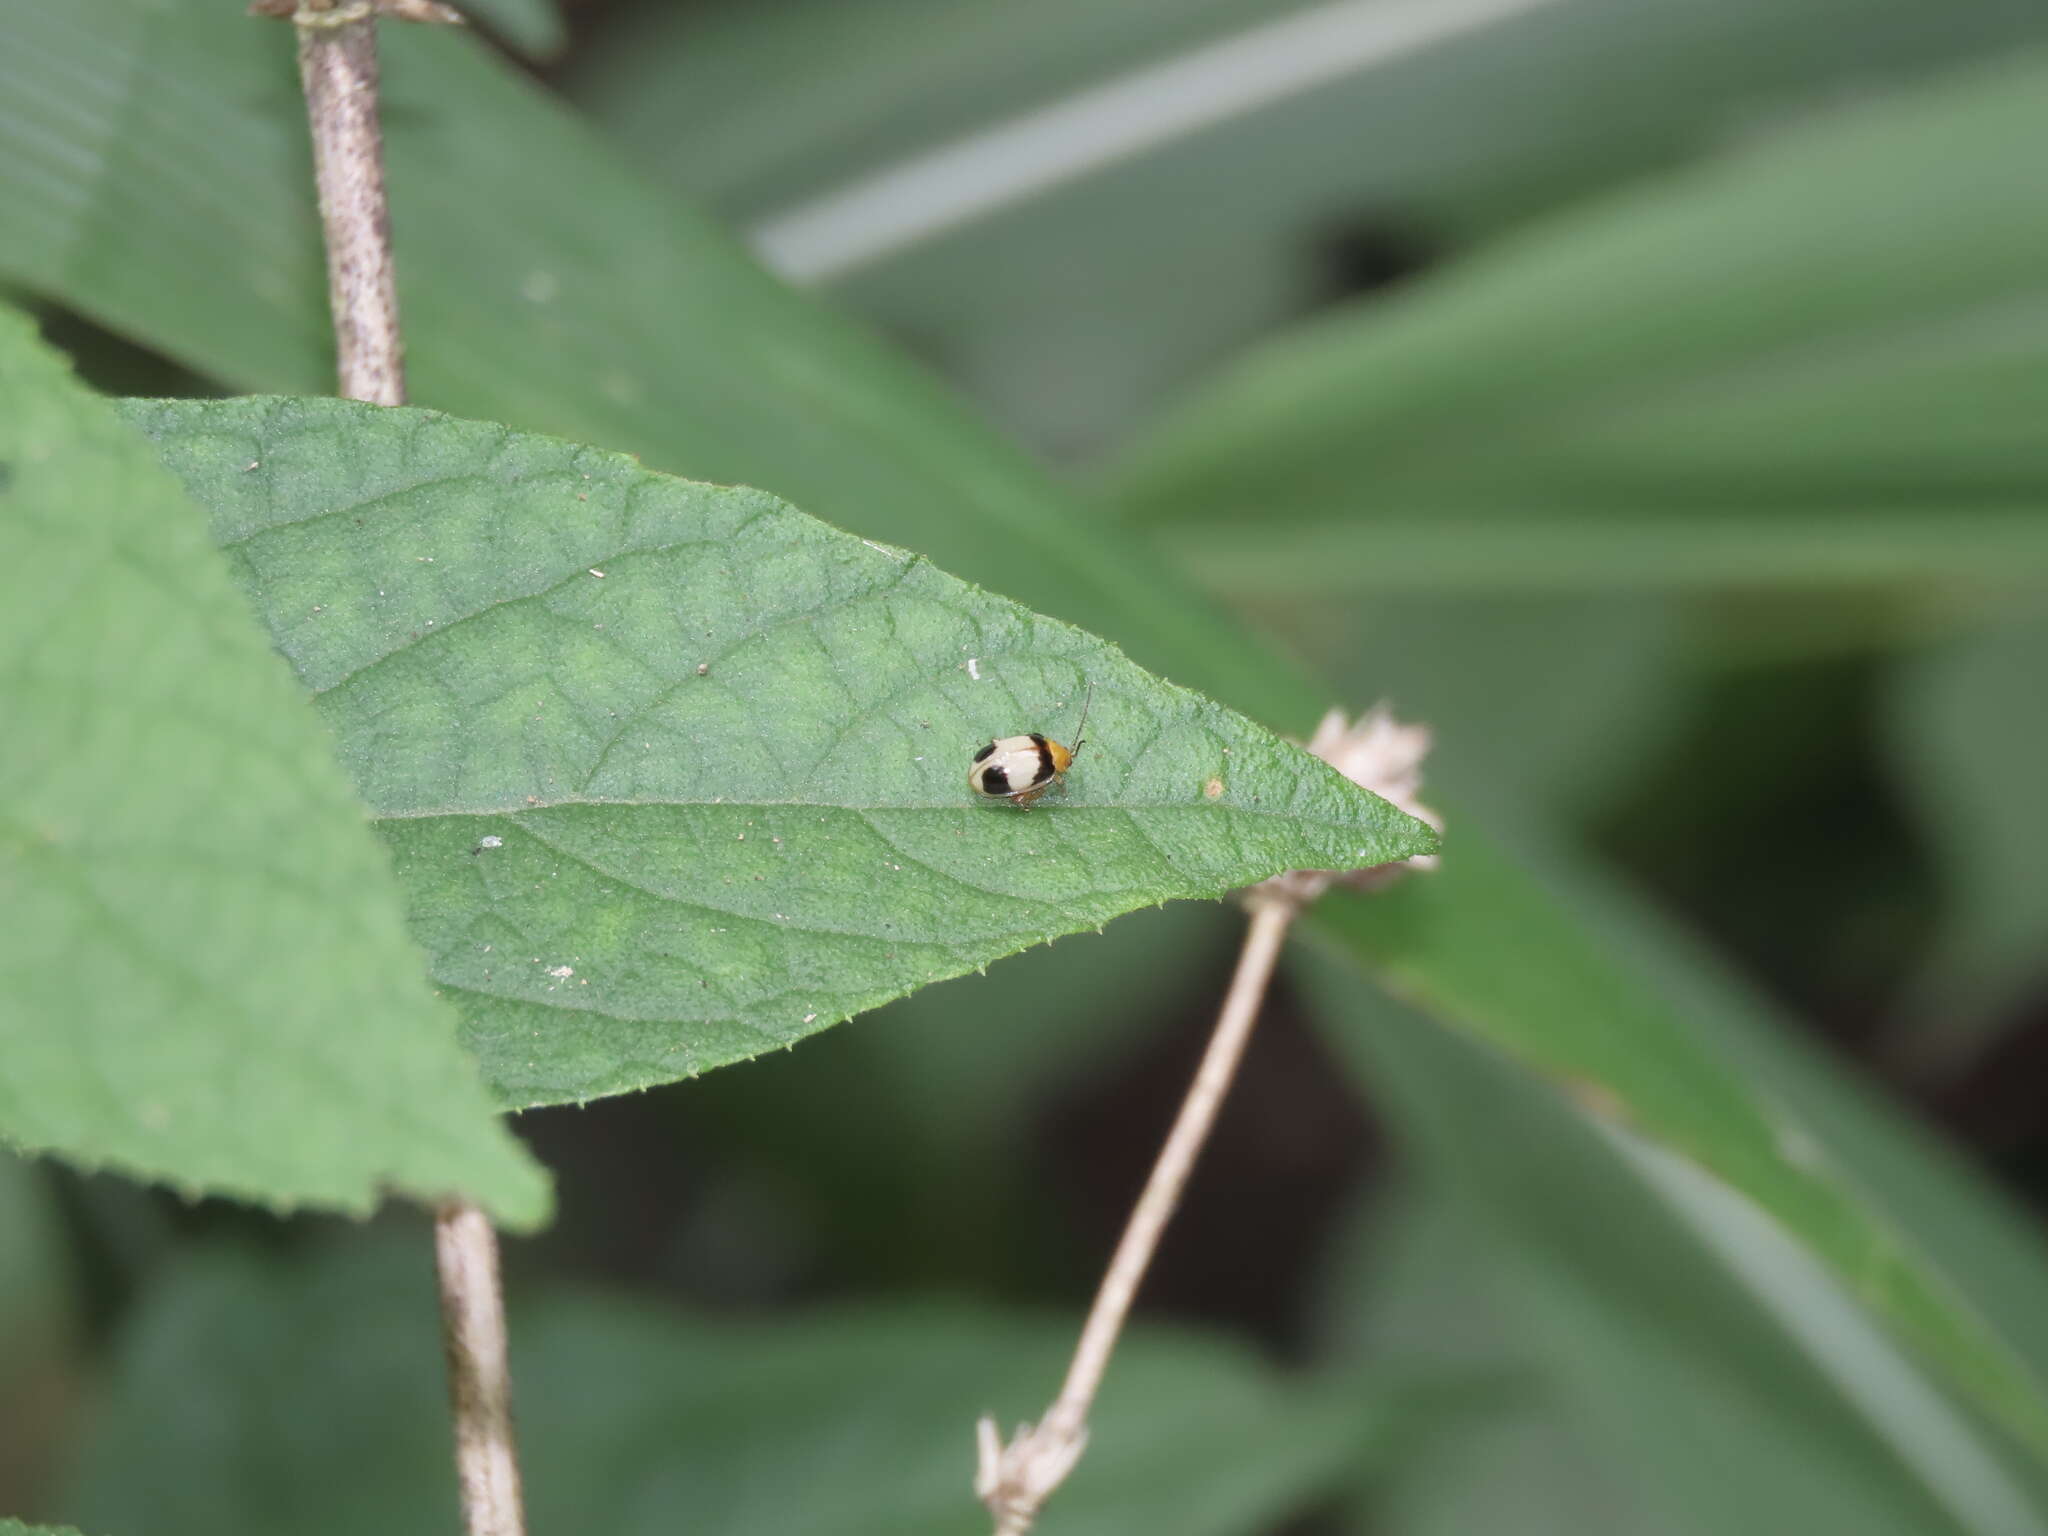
[1015, 1480]
[479, 1375]
[338, 68]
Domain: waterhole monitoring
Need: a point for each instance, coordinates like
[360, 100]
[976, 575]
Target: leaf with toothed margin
[204, 974]
[673, 774]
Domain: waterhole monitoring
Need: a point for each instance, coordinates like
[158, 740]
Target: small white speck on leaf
[808, 1017]
[703, 669]
[597, 573]
[561, 972]
[974, 668]
[252, 464]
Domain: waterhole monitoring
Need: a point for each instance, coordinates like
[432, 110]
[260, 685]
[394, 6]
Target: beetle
[1021, 768]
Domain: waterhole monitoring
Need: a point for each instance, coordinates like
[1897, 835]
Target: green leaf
[1524, 963]
[858, 82]
[547, 286]
[207, 977]
[543, 284]
[1477, 131]
[1817, 362]
[1968, 733]
[719, 751]
[534, 27]
[16, 1528]
[1488, 1439]
[1721, 1376]
[849, 1421]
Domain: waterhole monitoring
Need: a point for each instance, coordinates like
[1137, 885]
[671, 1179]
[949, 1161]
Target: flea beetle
[1021, 768]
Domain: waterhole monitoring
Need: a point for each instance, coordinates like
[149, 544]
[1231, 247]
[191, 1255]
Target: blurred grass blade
[718, 749]
[642, 1422]
[1819, 361]
[1606, 1010]
[1909, 1415]
[1729, 1390]
[1968, 735]
[548, 287]
[1470, 136]
[857, 82]
[207, 979]
[1295, 54]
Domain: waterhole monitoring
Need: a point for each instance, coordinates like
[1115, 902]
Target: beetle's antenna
[1081, 735]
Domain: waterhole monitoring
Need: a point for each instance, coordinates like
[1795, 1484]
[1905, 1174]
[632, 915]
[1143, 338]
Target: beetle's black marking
[994, 780]
[1044, 759]
[984, 752]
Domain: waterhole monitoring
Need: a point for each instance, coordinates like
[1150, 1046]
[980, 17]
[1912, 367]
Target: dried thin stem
[479, 1377]
[338, 68]
[1015, 1480]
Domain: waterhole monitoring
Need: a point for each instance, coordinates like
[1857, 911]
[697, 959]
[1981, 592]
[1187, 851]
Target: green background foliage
[719, 749]
[1670, 451]
[207, 979]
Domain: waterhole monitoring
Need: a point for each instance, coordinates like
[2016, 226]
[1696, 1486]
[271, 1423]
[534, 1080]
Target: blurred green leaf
[1817, 362]
[1196, 246]
[908, 1135]
[534, 27]
[543, 285]
[38, 1330]
[854, 82]
[33, 1306]
[1486, 1440]
[547, 287]
[1539, 704]
[16, 1528]
[1723, 1381]
[1968, 729]
[720, 749]
[1988, 1253]
[1534, 965]
[842, 1422]
[208, 980]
